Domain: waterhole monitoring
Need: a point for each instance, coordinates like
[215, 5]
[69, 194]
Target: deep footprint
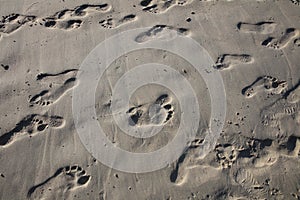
[161, 6]
[268, 84]
[60, 184]
[296, 2]
[157, 113]
[283, 41]
[13, 22]
[31, 125]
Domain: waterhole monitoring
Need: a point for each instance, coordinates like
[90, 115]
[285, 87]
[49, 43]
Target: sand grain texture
[255, 46]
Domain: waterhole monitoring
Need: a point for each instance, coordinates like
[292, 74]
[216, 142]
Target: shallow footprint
[260, 27]
[283, 41]
[29, 126]
[60, 185]
[289, 106]
[226, 61]
[46, 98]
[163, 32]
[268, 84]
[245, 178]
[114, 22]
[294, 95]
[80, 11]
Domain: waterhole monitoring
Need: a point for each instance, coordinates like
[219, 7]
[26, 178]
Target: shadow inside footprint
[64, 180]
[31, 125]
[157, 113]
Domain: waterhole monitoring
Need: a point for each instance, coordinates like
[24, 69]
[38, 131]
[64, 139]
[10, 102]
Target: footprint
[260, 27]
[5, 67]
[163, 32]
[62, 81]
[226, 61]
[283, 41]
[46, 97]
[59, 186]
[64, 25]
[158, 6]
[31, 125]
[296, 2]
[183, 2]
[297, 42]
[158, 113]
[13, 22]
[268, 84]
[114, 23]
[161, 6]
[187, 161]
[55, 76]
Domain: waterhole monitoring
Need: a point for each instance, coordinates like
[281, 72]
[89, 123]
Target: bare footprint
[296, 2]
[158, 113]
[29, 126]
[226, 61]
[61, 184]
[57, 77]
[46, 97]
[267, 84]
[187, 161]
[297, 42]
[163, 32]
[13, 22]
[114, 22]
[157, 6]
[63, 25]
[260, 27]
[161, 6]
[283, 41]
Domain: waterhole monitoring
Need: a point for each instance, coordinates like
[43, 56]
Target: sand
[249, 50]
